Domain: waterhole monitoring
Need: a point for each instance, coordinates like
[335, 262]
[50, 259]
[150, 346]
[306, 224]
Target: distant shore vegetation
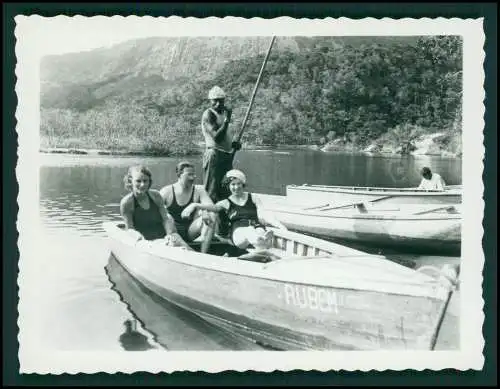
[350, 96]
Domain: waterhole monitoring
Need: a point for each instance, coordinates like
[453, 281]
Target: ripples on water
[68, 213]
[87, 301]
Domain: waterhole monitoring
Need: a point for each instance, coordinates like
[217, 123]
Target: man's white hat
[216, 93]
[235, 173]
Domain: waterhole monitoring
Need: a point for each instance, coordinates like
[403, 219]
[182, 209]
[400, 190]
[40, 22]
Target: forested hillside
[352, 92]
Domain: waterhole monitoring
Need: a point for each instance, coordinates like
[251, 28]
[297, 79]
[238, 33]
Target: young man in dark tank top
[182, 193]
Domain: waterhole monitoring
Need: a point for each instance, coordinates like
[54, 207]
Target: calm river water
[90, 304]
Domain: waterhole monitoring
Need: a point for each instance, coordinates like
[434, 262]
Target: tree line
[360, 94]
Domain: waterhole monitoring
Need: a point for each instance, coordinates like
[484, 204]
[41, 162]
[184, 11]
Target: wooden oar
[238, 139]
[440, 319]
[316, 207]
[447, 207]
[356, 203]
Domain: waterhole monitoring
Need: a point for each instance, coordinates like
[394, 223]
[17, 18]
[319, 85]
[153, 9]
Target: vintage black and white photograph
[198, 194]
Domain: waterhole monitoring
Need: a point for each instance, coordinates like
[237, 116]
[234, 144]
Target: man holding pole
[218, 157]
[220, 146]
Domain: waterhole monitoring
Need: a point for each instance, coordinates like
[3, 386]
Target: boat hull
[390, 225]
[340, 195]
[443, 234]
[282, 314]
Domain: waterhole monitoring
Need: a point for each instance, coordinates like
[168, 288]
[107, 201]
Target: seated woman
[143, 209]
[244, 213]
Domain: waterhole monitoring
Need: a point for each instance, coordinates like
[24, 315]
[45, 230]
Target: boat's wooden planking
[355, 312]
[321, 318]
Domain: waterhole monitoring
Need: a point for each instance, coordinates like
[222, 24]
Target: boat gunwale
[432, 286]
[365, 216]
[373, 190]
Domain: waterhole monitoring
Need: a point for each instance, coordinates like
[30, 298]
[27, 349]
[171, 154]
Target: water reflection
[171, 327]
[132, 340]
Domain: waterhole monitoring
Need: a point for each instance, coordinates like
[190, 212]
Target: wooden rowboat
[313, 295]
[409, 226]
[342, 194]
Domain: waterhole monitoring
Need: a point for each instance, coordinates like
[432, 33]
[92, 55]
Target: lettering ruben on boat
[312, 297]
[329, 301]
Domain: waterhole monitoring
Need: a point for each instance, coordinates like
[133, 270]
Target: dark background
[488, 11]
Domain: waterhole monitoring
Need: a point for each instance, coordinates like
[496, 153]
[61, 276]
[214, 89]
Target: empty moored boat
[308, 295]
[429, 227]
[342, 194]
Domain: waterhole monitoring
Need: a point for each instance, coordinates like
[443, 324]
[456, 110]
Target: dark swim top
[243, 215]
[148, 221]
[175, 210]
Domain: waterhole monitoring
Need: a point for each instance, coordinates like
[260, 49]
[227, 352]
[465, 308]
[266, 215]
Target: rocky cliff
[175, 57]
[169, 58]
[86, 79]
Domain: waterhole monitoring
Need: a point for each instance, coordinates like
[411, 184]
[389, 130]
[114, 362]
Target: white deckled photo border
[30, 37]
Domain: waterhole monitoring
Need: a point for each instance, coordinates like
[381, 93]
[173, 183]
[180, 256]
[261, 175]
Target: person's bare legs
[201, 229]
[259, 238]
[207, 234]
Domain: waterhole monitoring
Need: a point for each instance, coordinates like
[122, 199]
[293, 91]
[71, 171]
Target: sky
[63, 34]
[66, 34]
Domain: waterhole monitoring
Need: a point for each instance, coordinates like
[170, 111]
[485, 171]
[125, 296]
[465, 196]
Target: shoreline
[83, 151]
[199, 151]
[131, 153]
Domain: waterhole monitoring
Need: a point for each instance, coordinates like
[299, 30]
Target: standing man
[218, 157]
[182, 193]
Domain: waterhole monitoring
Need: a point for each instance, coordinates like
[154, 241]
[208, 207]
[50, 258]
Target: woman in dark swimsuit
[143, 210]
[244, 212]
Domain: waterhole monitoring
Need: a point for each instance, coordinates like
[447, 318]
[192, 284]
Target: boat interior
[281, 247]
[277, 252]
[374, 207]
[220, 248]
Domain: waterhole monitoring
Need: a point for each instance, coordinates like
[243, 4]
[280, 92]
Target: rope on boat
[447, 275]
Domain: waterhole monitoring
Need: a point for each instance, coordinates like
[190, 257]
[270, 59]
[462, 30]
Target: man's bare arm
[212, 128]
[204, 197]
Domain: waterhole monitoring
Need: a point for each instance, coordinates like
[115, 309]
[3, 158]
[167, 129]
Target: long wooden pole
[253, 93]
[440, 319]
[444, 307]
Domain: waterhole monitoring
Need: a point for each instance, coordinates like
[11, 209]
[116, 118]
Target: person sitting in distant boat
[431, 181]
[244, 212]
[143, 210]
[179, 195]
